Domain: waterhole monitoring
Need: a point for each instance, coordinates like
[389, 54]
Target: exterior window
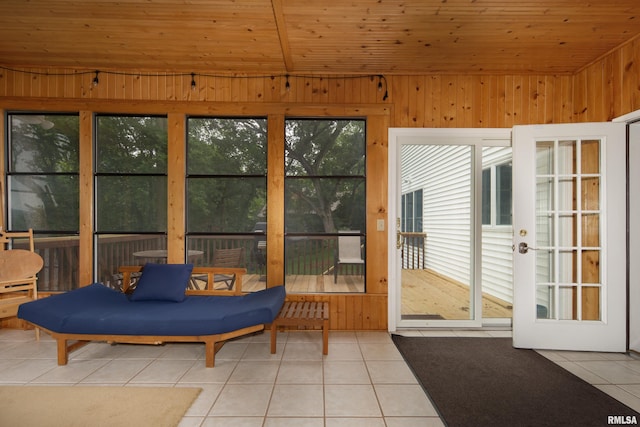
[325, 214]
[130, 192]
[227, 195]
[486, 196]
[496, 195]
[42, 191]
[412, 211]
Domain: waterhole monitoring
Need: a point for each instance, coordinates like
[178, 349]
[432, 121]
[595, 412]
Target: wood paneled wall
[610, 87]
[606, 89]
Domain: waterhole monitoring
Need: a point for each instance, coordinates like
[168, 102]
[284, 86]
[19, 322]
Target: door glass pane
[544, 230]
[591, 267]
[566, 269]
[544, 194]
[590, 159]
[568, 229]
[566, 236]
[566, 191]
[436, 263]
[497, 233]
[591, 303]
[591, 230]
[544, 157]
[544, 266]
[590, 188]
[545, 305]
[438, 209]
[566, 158]
[566, 302]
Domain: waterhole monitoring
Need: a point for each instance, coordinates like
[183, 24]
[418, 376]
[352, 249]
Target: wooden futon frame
[201, 283]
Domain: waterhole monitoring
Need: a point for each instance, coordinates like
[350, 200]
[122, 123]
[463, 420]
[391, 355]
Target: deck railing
[414, 250]
[313, 255]
[60, 255]
[310, 255]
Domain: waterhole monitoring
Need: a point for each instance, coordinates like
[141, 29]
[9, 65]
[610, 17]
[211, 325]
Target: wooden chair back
[18, 272]
[349, 250]
[8, 239]
[18, 266]
[228, 257]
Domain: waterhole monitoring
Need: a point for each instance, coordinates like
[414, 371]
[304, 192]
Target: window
[325, 187]
[130, 192]
[43, 192]
[412, 211]
[486, 196]
[227, 193]
[496, 195]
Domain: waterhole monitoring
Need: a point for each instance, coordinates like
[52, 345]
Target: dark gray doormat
[480, 382]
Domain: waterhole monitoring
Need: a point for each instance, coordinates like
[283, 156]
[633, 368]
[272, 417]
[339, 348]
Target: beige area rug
[40, 406]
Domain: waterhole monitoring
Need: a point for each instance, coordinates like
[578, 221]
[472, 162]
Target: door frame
[478, 137]
[633, 242]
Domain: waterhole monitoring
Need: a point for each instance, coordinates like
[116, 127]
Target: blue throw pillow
[162, 282]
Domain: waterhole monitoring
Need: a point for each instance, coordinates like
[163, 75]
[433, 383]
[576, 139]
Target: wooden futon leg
[210, 353]
[64, 349]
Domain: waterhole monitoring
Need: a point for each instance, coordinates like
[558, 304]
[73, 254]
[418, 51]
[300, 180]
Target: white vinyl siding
[497, 241]
[497, 266]
[444, 174]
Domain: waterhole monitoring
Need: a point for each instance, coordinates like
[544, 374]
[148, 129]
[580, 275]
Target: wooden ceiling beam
[282, 34]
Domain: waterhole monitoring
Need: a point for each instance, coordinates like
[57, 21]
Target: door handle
[399, 238]
[523, 248]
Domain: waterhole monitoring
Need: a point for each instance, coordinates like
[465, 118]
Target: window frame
[71, 234]
[290, 237]
[255, 252]
[155, 237]
[494, 190]
[416, 222]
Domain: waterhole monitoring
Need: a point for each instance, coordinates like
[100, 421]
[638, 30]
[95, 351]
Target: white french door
[569, 238]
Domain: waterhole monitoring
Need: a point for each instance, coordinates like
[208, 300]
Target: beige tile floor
[363, 382]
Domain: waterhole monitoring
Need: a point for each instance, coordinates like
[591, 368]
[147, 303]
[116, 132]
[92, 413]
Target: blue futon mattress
[97, 309]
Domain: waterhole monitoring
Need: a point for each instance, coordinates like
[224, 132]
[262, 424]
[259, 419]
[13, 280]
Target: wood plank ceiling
[319, 37]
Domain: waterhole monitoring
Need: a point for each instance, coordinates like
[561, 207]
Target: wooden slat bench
[303, 313]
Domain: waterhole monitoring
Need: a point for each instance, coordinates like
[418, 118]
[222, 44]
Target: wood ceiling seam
[282, 34]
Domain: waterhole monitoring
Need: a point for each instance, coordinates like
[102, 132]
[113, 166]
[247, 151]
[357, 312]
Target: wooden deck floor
[424, 293]
[435, 296]
[309, 283]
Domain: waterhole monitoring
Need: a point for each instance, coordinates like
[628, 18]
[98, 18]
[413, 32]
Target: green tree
[131, 162]
[226, 165]
[325, 166]
[44, 154]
